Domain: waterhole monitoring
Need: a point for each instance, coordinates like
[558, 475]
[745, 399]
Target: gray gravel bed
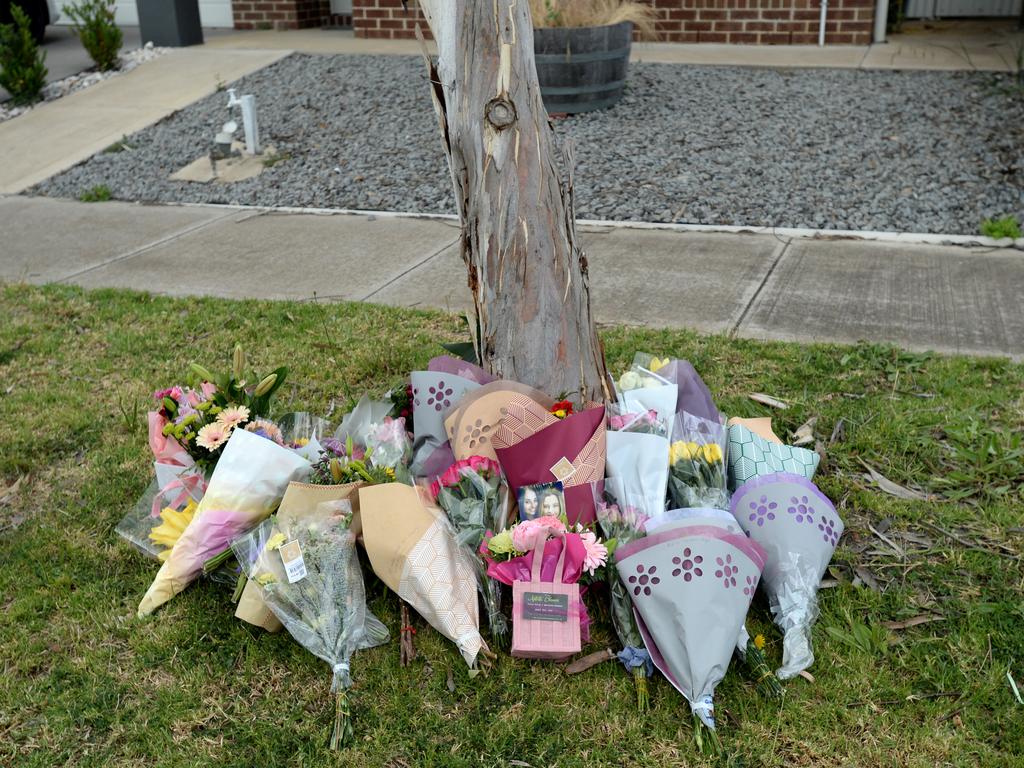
[839, 149]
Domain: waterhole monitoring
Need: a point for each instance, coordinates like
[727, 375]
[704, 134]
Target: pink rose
[524, 535]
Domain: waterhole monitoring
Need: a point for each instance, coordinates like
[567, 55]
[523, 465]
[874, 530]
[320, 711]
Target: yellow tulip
[658, 364]
[174, 524]
[712, 453]
[679, 451]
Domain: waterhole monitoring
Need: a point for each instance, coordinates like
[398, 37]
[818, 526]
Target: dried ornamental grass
[593, 13]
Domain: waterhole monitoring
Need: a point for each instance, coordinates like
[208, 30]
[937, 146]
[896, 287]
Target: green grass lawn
[86, 683]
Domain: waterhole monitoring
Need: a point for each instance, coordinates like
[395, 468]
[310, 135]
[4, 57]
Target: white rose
[629, 380]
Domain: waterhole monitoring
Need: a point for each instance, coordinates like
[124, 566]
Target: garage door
[212, 13]
[931, 9]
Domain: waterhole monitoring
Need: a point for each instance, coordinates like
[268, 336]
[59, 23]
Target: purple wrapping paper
[694, 396]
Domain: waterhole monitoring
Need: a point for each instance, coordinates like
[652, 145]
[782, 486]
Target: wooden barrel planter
[581, 69]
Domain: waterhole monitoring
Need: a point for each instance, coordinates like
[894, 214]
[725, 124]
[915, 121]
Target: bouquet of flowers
[509, 555]
[308, 570]
[200, 420]
[382, 460]
[798, 527]
[639, 390]
[621, 526]
[475, 497]
[697, 471]
[692, 394]
[621, 419]
[251, 477]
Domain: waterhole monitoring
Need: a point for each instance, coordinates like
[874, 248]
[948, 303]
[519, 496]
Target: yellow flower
[657, 364]
[174, 524]
[265, 578]
[712, 452]
[679, 451]
[275, 541]
[759, 642]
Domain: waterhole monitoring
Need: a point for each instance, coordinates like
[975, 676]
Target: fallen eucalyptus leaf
[771, 402]
[590, 660]
[867, 578]
[893, 489]
[924, 618]
[806, 675]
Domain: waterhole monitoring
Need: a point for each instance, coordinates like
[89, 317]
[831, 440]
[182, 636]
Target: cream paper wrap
[246, 486]
[413, 550]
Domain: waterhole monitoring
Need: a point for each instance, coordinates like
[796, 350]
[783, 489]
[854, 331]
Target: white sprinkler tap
[249, 124]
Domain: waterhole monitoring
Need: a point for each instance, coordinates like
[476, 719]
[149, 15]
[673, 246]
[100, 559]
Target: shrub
[95, 27]
[22, 71]
[1000, 228]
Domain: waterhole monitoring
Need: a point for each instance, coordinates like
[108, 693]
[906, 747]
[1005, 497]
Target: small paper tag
[544, 606]
[562, 469]
[294, 565]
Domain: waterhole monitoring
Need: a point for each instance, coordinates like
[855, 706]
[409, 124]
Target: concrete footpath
[763, 286]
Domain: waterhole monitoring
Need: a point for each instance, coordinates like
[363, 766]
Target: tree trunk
[526, 270]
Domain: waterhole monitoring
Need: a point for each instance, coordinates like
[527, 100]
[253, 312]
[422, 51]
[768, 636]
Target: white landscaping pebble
[922, 151]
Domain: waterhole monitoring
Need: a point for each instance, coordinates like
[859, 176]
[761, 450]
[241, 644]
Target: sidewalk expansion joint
[147, 247]
[779, 253]
[412, 268]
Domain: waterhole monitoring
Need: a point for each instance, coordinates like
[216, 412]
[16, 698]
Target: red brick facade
[764, 22]
[281, 14]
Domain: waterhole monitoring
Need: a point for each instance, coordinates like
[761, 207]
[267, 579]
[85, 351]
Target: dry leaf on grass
[805, 432]
[888, 486]
[8, 493]
[771, 402]
[584, 663]
[866, 578]
[924, 618]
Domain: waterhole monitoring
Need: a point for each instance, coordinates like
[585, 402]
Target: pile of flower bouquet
[465, 490]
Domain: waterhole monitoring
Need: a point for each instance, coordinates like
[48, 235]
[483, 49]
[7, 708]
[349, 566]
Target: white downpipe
[821, 24]
[881, 21]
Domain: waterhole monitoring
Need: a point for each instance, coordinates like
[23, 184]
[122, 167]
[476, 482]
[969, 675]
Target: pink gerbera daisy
[213, 436]
[597, 552]
[233, 415]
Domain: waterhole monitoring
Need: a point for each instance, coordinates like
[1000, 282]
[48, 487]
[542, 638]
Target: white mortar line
[920, 238]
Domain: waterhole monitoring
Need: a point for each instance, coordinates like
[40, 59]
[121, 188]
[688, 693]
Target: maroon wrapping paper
[529, 462]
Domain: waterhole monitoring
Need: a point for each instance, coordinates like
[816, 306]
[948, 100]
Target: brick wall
[281, 14]
[387, 19]
[765, 22]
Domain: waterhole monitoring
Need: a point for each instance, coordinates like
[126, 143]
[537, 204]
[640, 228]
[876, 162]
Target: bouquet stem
[767, 683]
[707, 740]
[407, 651]
[216, 561]
[342, 734]
[643, 699]
[239, 587]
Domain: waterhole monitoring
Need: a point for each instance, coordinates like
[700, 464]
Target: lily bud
[264, 386]
[201, 372]
[238, 362]
[336, 470]
[169, 405]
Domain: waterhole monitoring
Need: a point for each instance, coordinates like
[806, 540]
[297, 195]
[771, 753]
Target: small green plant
[271, 160]
[98, 194]
[22, 68]
[95, 27]
[1007, 226]
[121, 145]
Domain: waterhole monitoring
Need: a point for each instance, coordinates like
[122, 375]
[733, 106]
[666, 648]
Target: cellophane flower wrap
[325, 609]
[245, 488]
[621, 526]
[698, 475]
[475, 497]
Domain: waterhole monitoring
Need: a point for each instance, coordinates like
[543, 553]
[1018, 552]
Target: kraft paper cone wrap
[472, 423]
[413, 550]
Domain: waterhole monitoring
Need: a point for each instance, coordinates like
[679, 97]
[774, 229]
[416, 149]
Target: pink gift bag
[545, 615]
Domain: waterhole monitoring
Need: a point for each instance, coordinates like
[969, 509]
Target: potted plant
[582, 50]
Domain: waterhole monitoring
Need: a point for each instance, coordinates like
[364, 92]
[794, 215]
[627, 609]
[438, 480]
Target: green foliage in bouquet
[22, 68]
[202, 419]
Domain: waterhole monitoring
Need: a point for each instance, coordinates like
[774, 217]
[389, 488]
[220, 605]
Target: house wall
[765, 22]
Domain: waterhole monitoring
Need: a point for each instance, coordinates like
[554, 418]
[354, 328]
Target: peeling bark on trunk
[527, 272]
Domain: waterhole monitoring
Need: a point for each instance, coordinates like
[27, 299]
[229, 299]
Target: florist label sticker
[562, 469]
[294, 565]
[543, 606]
